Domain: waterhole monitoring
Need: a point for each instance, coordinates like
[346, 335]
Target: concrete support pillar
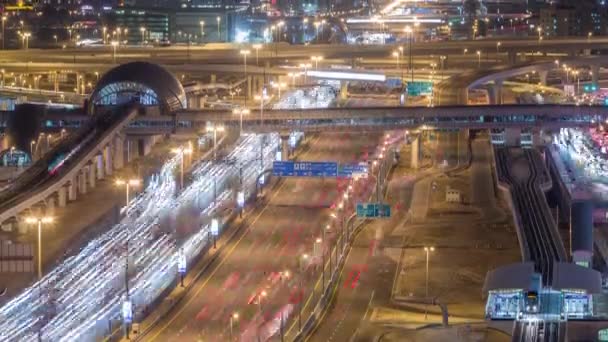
[543, 76]
[512, 136]
[260, 83]
[284, 147]
[415, 153]
[595, 74]
[50, 205]
[92, 175]
[129, 144]
[343, 90]
[61, 196]
[56, 81]
[512, 57]
[107, 160]
[463, 96]
[72, 189]
[22, 226]
[99, 166]
[249, 89]
[496, 93]
[119, 153]
[82, 182]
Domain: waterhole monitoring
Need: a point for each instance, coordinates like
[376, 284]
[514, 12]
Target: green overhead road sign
[373, 210]
[419, 88]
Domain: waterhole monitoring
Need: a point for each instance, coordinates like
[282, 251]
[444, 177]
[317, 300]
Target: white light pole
[241, 112]
[409, 32]
[214, 128]
[257, 48]
[219, 32]
[261, 98]
[293, 76]
[143, 34]
[305, 66]
[235, 317]
[127, 184]
[316, 59]
[278, 85]
[3, 20]
[181, 151]
[27, 36]
[114, 46]
[202, 22]
[245, 53]
[39, 221]
[427, 250]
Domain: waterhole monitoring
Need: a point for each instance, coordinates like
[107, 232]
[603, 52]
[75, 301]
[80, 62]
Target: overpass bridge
[349, 119]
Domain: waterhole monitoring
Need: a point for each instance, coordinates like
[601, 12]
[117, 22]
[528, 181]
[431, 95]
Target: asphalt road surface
[259, 276]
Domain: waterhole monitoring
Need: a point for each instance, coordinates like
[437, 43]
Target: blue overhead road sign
[317, 169]
[304, 169]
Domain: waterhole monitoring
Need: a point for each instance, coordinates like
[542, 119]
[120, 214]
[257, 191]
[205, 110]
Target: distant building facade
[197, 25]
[574, 18]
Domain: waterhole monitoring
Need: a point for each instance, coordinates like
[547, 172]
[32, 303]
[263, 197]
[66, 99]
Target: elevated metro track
[64, 162]
[336, 119]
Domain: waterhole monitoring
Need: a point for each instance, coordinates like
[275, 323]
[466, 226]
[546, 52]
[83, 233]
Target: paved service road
[367, 279]
[264, 261]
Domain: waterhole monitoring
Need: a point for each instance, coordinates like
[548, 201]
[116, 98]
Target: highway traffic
[83, 298]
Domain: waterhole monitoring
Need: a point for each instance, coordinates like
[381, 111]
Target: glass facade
[123, 92]
[155, 24]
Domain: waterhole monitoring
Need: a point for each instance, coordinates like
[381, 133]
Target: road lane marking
[369, 304]
[218, 266]
[200, 288]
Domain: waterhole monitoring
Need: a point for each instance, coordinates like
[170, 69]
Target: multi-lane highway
[271, 265]
[82, 298]
[222, 53]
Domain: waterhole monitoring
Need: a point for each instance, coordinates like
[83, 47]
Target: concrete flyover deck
[454, 90]
[370, 118]
[222, 53]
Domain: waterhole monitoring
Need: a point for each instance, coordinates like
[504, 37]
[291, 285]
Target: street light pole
[3, 20]
[143, 34]
[202, 22]
[409, 32]
[240, 112]
[219, 32]
[257, 48]
[234, 316]
[427, 250]
[114, 46]
[215, 129]
[39, 221]
[245, 53]
[127, 184]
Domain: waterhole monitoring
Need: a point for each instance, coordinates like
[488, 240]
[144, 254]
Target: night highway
[262, 268]
[332, 171]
